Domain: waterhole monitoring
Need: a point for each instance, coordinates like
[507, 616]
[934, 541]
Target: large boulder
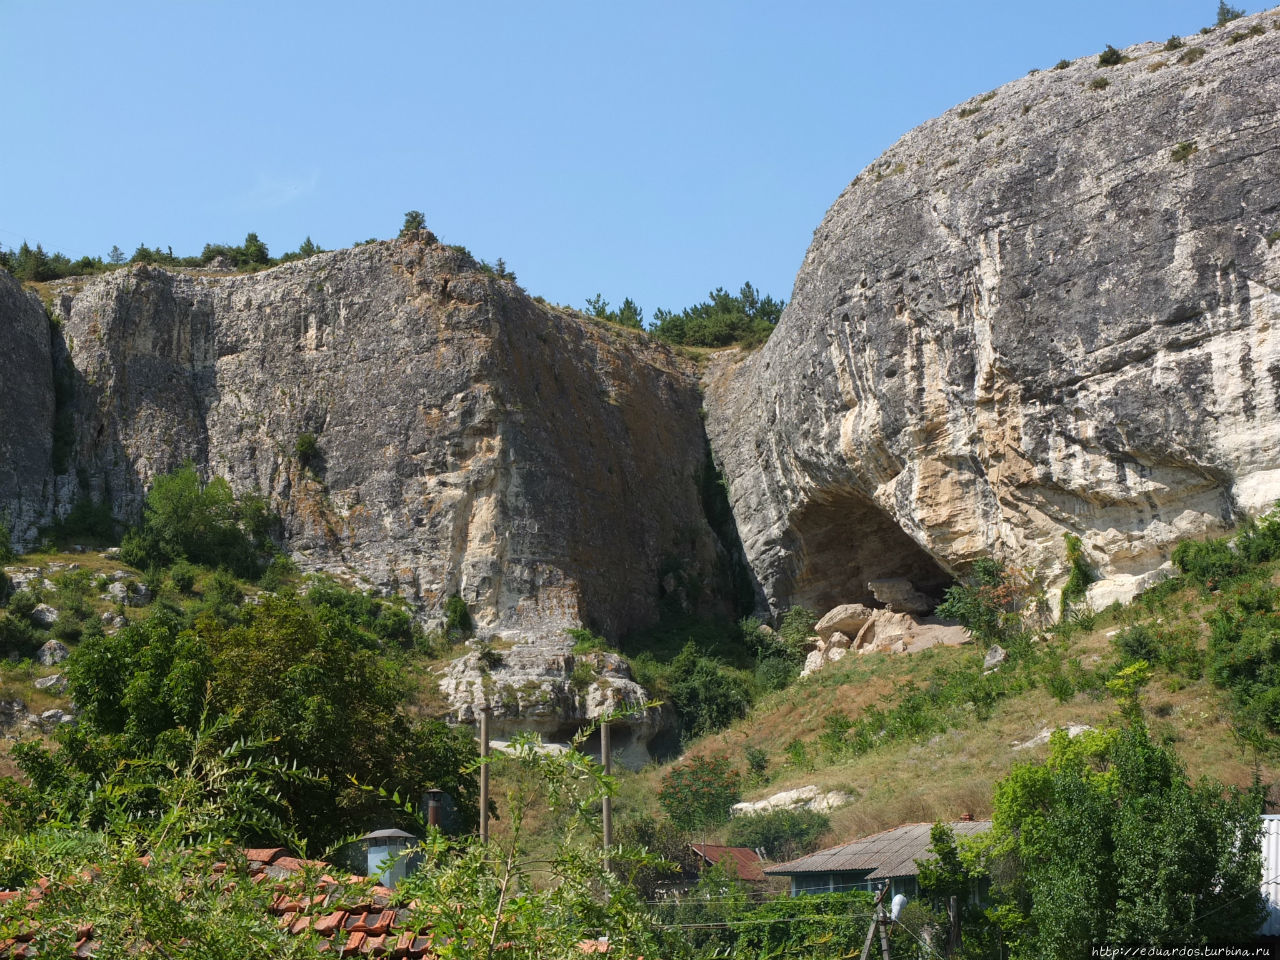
[847, 618]
[1050, 310]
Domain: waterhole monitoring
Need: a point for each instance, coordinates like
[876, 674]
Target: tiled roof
[357, 920]
[892, 853]
[743, 861]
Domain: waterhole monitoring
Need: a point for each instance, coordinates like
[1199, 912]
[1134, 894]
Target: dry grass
[955, 772]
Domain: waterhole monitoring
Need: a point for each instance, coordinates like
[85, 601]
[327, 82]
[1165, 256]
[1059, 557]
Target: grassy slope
[948, 774]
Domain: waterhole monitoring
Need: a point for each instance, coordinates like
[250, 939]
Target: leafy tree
[781, 834]
[205, 523]
[302, 678]
[255, 251]
[116, 255]
[706, 696]
[1108, 841]
[1227, 13]
[414, 221]
[700, 792]
[746, 319]
[309, 249]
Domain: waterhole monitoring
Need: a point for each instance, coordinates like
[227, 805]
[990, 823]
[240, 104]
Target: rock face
[27, 405]
[544, 687]
[470, 440]
[1052, 309]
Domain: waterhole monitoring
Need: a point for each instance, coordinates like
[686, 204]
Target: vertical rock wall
[1053, 309]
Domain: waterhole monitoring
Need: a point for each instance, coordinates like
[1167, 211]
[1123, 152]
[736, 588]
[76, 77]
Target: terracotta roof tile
[264, 854]
[743, 861]
[354, 942]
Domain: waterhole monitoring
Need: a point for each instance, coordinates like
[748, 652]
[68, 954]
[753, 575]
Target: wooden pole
[875, 925]
[484, 774]
[606, 811]
[953, 933]
[882, 921]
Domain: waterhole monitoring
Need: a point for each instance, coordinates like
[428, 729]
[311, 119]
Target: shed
[867, 863]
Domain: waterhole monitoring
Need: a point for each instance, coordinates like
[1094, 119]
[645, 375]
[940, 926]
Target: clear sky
[647, 149]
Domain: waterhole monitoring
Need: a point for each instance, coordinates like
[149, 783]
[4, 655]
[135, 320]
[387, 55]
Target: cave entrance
[842, 539]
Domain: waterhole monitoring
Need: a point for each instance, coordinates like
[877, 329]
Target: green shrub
[183, 576]
[1137, 642]
[457, 618]
[1099, 83]
[757, 763]
[1062, 64]
[700, 792]
[964, 112]
[1272, 237]
[18, 639]
[781, 834]
[6, 542]
[1081, 573]
[87, 521]
[1183, 151]
[724, 319]
[1208, 563]
[1191, 55]
[584, 641]
[307, 450]
[280, 572]
[796, 626]
[204, 523]
[1110, 57]
[22, 604]
[797, 752]
[1174, 43]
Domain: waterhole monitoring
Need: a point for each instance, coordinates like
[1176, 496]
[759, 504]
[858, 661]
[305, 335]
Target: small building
[741, 862]
[868, 863]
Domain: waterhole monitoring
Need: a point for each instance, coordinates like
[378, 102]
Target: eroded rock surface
[471, 440]
[542, 686]
[1052, 309]
[27, 407]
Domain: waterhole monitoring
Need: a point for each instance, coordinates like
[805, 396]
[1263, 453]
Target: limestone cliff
[27, 407]
[471, 440]
[1051, 309]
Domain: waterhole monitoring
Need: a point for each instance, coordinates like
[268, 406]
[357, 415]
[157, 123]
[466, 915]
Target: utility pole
[879, 923]
[484, 774]
[953, 926]
[606, 806]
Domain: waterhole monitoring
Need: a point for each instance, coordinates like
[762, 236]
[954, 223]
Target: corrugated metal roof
[743, 861]
[1271, 874]
[892, 853]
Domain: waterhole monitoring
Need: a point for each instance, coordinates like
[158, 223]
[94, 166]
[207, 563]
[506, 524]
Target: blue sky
[653, 150]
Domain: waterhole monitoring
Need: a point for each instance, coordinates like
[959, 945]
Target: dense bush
[1110, 57]
[300, 676]
[700, 792]
[1209, 563]
[991, 602]
[781, 834]
[722, 320]
[185, 519]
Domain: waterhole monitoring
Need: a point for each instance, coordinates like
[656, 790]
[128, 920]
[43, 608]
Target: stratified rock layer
[470, 440]
[1052, 309]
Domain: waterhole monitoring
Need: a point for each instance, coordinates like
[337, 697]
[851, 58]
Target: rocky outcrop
[470, 440]
[542, 686]
[27, 405]
[801, 798]
[1052, 309]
